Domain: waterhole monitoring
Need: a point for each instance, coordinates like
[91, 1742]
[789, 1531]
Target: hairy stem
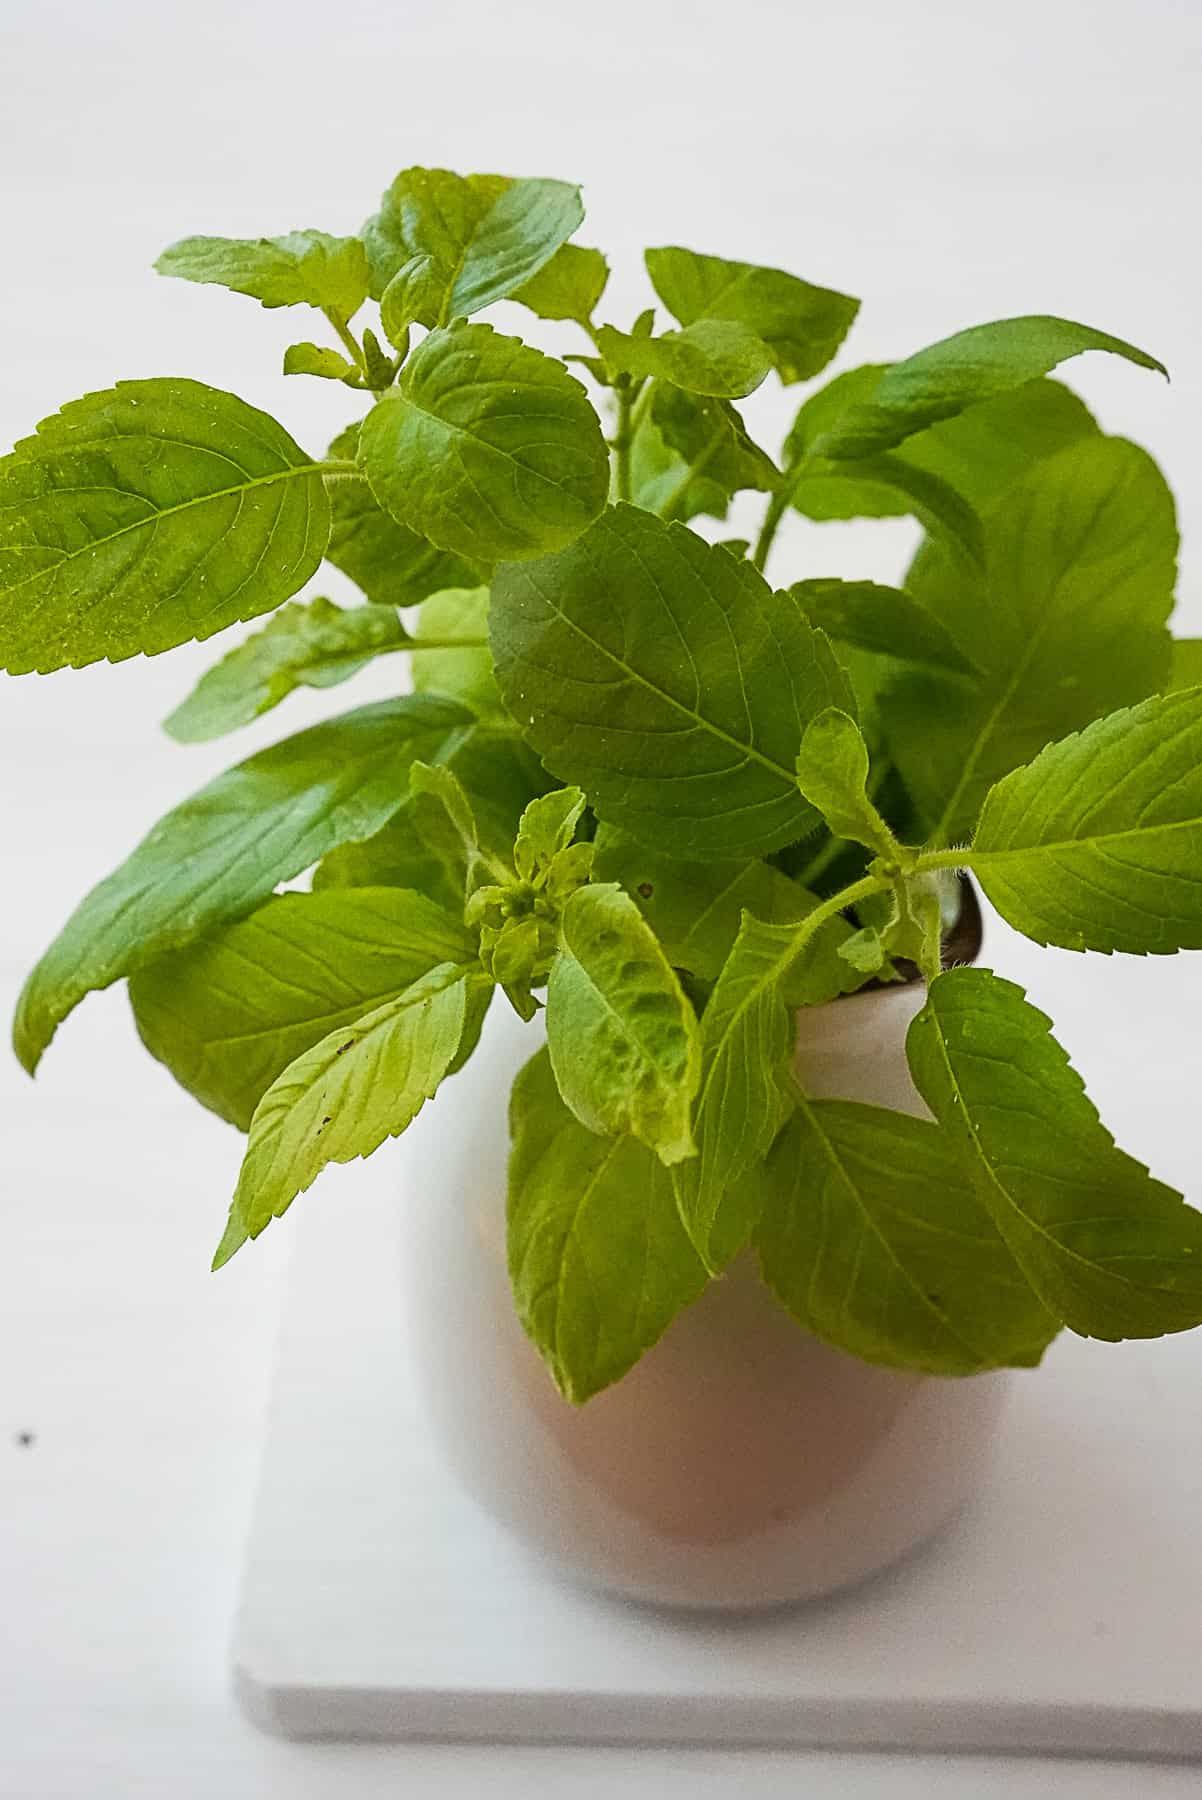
[351, 345]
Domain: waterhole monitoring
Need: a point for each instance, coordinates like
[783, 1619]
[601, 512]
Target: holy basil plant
[654, 800]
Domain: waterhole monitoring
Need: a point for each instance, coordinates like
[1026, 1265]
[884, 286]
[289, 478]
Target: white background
[949, 162]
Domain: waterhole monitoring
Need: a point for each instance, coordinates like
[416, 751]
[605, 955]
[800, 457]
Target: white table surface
[949, 167]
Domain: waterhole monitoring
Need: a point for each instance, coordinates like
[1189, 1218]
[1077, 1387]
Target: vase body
[741, 1463]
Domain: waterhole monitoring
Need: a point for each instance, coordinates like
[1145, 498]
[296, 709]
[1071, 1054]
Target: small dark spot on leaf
[25, 1440]
[343, 1048]
[646, 889]
[934, 1299]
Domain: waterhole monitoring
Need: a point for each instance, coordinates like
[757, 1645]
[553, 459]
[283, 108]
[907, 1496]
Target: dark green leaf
[313, 645]
[147, 515]
[1097, 844]
[220, 854]
[1186, 669]
[1109, 1250]
[305, 268]
[393, 565]
[598, 1259]
[568, 287]
[621, 1034]
[228, 1014]
[696, 428]
[668, 681]
[486, 447]
[802, 325]
[486, 236]
[714, 356]
[960, 372]
[875, 1240]
[661, 480]
[888, 621]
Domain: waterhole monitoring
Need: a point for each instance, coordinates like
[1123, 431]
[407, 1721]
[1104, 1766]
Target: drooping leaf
[746, 1089]
[568, 287]
[666, 680]
[963, 371]
[621, 1034]
[711, 433]
[1186, 665]
[1097, 844]
[219, 854]
[305, 268]
[485, 236]
[317, 359]
[1109, 1250]
[875, 1240]
[1067, 623]
[465, 674]
[361, 1084]
[803, 325]
[416, 290]
[832, 773]
[598, 1259]
[316, 644]
[147, 515]
[714, 356]
[662, 481]
[228, 1014]
[885, 620]
[393, 565]
[486, 447]
[695, 909]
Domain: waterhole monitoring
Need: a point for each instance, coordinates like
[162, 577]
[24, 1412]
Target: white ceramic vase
[742, 1463]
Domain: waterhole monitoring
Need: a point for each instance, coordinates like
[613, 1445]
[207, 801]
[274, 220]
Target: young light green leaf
[228, 1014]
[147, 515]
[548, 826]
[746, 1089]
[885, 620]
[393, 565]
[695, 909]
[1097, 844]
[317, 359]
[415, 290]
[598, 1259]
[802, 325]
[316, 644]
[1067, 623]
[666, 680]
[832, 773]
[486, 447]
[865, 950]
[465, 674]
[448, 820]
[568, 287]
[710, 437]
[305, 268]
[486, 236]
[960, 372]
[875, 1240]
[622, 1036]
[359, 1085]
[1186, 667]
[1109, 1250]
[220, 854]
[714, 356]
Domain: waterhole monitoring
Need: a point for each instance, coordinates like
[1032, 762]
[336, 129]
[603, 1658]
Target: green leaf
[1067, 623]
[832, 773]
[622, 1036]
[714, 356]
[313, 645]
[666, 680]
[465, 674]
[359, 1085]
[885, 620]
[486, 236]
[1186, 670]
[220, 854]
[599, 1262]
[802, 325]
[695, 909]
[1109, 1250]
[747, 1090]
[228, 1014]
[547, 828]
[568, 287]
[963, 371]
[486, 447]
[393, 565]
[696, 427]
[150, 514]
[414, 290]
[875, 1240]
[305, 268]
[661, 480]
[316, 359]
[1097, 844]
